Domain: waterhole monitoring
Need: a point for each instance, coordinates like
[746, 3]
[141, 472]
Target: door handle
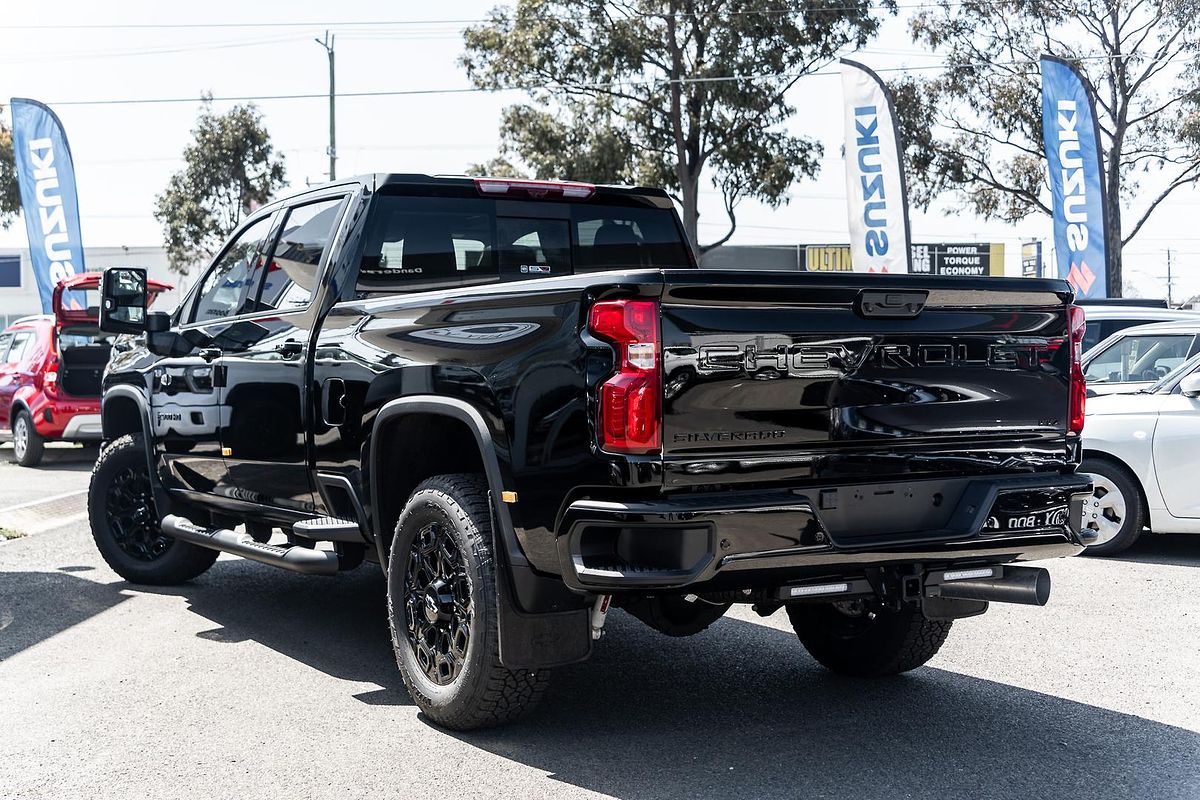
[333, 402]
[289, 348]
[210, 353]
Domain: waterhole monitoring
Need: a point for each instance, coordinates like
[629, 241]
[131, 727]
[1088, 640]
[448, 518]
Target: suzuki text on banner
[875, 191]
[1071, 137]
[47, 179]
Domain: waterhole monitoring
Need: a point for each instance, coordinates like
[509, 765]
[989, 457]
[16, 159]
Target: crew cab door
[263, 363]
[187, 416]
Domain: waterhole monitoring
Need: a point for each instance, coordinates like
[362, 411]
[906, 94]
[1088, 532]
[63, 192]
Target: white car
[1137, 358]
[1142, 451]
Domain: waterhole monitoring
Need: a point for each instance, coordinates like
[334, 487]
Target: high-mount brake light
[630, 418]
[567, 190]
[1075, 329]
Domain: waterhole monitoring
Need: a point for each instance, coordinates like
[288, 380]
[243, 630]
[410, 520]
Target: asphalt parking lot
[251, 682]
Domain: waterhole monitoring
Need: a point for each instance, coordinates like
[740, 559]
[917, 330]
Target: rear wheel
[1114, 511]
[27, 442]
[862, 639]
[443, 610]
[125, 522]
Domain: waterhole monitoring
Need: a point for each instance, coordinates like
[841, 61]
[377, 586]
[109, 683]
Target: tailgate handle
[890, 305]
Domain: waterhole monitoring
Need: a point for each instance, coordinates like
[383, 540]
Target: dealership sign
[1071, 137]
[46, 176]
[964, 260]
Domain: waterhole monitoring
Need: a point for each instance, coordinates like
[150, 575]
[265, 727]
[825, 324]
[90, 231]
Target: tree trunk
[689, 196]
[1113, 209]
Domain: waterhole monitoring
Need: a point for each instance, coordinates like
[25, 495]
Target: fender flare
[464, 412]
[527, 640]
[162, 499]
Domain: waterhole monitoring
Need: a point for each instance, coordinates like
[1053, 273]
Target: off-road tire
[484, 693]
[29, 452]
[170, 562]
[1109, 474]
[888, 643]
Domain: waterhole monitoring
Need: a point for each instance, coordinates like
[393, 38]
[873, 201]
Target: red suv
[50, 370]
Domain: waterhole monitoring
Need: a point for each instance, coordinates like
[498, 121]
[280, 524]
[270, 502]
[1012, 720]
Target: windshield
[421, 243]
[1174, 376]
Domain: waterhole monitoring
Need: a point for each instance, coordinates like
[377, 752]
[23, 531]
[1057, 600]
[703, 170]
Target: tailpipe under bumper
[1028, 586]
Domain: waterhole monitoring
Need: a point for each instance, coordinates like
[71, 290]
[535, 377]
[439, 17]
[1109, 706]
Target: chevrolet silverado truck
[527, 405]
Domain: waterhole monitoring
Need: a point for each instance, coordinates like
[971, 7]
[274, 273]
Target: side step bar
[296, 559]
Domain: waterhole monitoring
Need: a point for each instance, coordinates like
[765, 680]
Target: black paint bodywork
[806, 431]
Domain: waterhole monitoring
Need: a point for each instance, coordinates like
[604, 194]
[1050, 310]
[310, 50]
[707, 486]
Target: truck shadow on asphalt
[739, 710]
[1170, 549]
[37, 605]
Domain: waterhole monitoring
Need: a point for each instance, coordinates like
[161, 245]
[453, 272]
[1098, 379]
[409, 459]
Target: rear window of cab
[423, 243]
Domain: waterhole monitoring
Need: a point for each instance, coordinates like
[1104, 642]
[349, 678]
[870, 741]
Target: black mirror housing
[123, 300]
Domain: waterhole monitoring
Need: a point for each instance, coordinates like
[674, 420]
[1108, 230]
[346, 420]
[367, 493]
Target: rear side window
[5, 341]
[22, 344]
[1133, 358]
[294, 268]
[421, 243]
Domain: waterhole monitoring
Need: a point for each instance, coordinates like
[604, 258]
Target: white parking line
[43, 501]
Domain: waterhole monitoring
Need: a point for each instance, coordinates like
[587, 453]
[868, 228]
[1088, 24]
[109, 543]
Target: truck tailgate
[831, 376]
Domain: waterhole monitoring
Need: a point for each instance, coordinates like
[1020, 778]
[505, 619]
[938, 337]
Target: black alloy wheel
[124, 521]
[131, 516]
[437, 591]
[443, 608]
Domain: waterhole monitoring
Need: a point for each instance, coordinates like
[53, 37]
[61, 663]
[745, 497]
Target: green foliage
[975, 130]
[230, 169]
[10, 194]
[658, 93]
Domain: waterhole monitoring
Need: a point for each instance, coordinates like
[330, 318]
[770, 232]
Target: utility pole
[1169, 304]
[327, 43]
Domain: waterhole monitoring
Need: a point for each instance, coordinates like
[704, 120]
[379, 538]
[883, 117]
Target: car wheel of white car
[1114, 511]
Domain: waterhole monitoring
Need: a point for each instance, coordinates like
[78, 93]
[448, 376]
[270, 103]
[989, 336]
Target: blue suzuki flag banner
[47, 179]
[875, 190]
[1072, 139]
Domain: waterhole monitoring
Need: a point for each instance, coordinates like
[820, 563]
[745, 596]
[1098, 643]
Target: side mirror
[123, 300]
[1190, 386]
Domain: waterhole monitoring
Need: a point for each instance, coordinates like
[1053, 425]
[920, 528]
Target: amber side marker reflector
[508, 497]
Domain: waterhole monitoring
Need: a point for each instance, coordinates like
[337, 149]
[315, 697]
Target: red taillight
[566, 190]
[630, 400]
[1075, 328]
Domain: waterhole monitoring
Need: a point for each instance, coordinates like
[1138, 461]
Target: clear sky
[124, 153]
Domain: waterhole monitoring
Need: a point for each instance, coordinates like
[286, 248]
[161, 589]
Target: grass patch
[9, 533]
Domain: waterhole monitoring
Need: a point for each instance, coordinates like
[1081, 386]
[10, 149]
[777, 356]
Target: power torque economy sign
[967, 259]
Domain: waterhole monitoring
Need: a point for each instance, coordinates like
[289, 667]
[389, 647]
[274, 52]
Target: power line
[875, 5]
[551, 87]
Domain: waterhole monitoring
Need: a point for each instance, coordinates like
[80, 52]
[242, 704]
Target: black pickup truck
[525, 403]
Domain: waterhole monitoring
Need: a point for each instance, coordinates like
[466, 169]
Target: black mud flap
[539, 641]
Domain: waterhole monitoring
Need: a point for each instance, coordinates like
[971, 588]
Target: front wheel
[862, 639]
[1114, 511]
[27, 442]
[125, 522]
[442, 609]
